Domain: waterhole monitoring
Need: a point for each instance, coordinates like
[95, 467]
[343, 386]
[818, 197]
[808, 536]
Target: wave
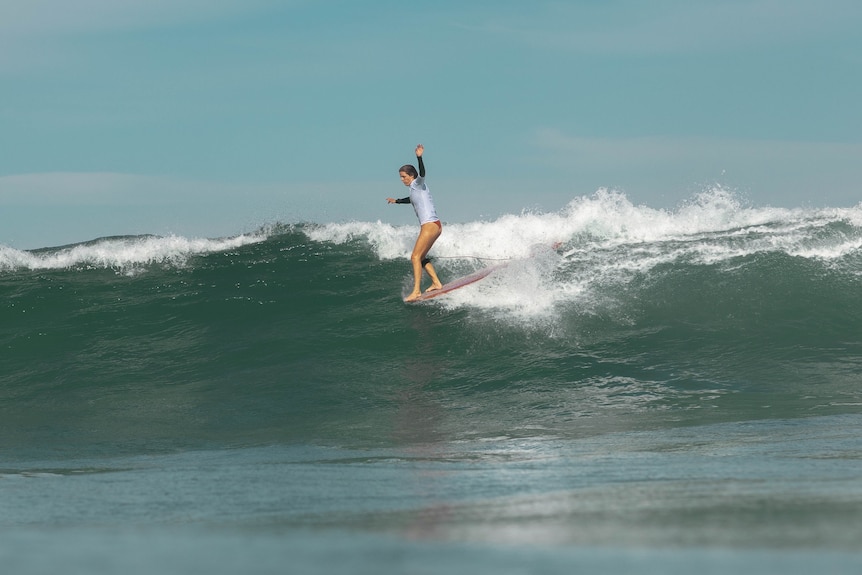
[608, 254]
[606, 243]
[299, 331]
[713, 226]
[605, 247]
[124, 253]
[608, 219]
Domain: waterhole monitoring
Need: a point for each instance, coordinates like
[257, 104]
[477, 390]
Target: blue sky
[211, 117]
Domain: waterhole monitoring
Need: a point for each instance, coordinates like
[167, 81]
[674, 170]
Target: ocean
[638, 391]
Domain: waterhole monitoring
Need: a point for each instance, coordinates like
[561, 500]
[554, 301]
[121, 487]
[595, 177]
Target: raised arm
[420, 149]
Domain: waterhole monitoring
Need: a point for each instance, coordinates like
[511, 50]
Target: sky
[210, 118]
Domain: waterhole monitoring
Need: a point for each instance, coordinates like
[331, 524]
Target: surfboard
[459, 283]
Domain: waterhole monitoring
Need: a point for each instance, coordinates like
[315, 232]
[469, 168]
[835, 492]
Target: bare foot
[413, 296]
[434, 287]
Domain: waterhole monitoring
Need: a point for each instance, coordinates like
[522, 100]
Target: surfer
[430, 226]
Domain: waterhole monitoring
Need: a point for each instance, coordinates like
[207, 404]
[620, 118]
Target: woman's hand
[419, 149]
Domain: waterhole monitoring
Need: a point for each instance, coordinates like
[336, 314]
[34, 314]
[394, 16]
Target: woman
[430, 226]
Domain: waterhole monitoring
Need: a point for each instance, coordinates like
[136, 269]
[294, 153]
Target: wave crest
[127, 253]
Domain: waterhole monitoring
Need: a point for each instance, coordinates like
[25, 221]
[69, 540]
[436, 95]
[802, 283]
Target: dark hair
[409, 170]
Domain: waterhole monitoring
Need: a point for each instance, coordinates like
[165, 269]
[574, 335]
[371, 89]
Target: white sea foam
[606, 219]
[123, 254]
[605, 240]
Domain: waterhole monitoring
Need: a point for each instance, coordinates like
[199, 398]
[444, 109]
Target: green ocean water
[684, 385]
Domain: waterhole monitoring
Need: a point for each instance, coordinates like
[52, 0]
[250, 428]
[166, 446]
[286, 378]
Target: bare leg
[435, 281]
[428, 234]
